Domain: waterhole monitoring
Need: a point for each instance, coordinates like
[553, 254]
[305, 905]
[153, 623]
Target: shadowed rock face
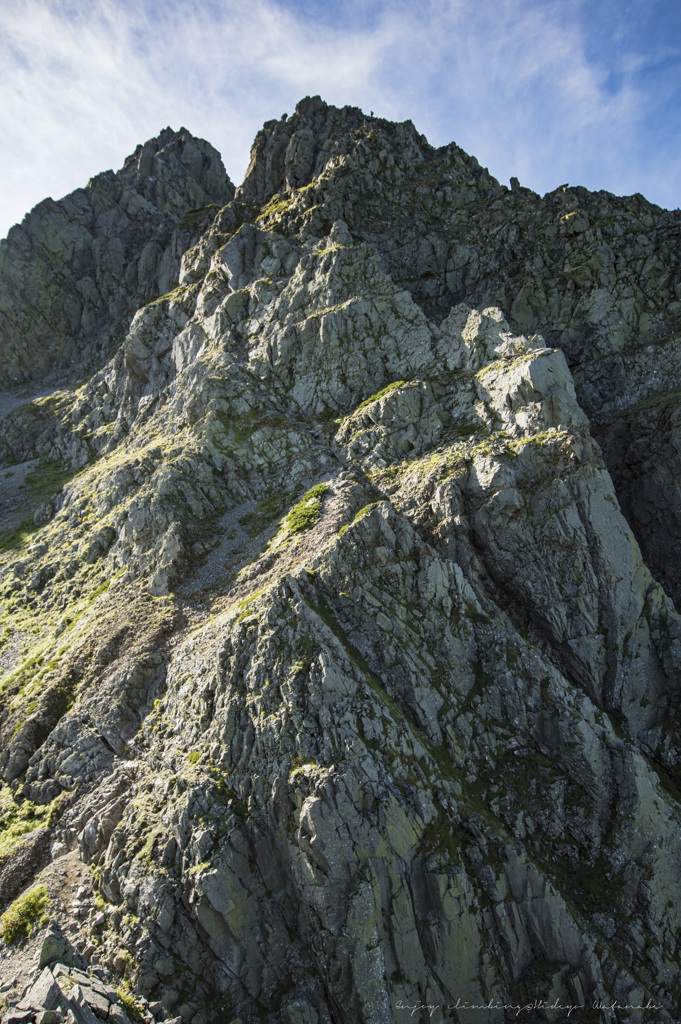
[329, 647]
[74, 271]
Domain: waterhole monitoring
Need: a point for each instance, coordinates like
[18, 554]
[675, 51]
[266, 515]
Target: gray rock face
[60, 993]
[74, 271]
[597, 275]
[332, 650]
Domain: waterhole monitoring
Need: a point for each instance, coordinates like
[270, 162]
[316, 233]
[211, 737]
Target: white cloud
[510, 80]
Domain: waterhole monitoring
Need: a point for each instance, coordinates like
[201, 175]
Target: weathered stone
[49, 1017]
[78, 1005]
[54, 947]
[358, 683]
[44, 993]
[117, 1015]
[85, 263]
[97, 999]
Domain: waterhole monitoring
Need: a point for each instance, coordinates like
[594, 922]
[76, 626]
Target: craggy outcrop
[329, 645]
[74, 271]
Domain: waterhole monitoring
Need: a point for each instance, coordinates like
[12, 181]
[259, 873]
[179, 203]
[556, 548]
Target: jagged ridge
[425, 747]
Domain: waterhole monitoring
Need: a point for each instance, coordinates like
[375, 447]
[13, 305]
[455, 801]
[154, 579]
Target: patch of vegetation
[308, 510]
[302, 768]
[244, 605]
[54, 703]
[325, 310]
[267, 511]
[465, 429]
[226, 796]
[277, 204]
[476, 616]
[382, 393]
[193, 756]
[250, 422]
[200, 868]
[365, 511]
[19, 817]
[147, 852]
[442, 833]
[17, 537]
[540, 440]
[21, 675]
[47, 479]
[25, 915]
[305, 650]
[127, 1000]
[180, 291]
[98, 591]
[193, 217]
[329, 248]
[360, 514]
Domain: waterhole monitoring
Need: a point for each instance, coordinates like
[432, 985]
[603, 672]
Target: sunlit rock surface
[341, 528]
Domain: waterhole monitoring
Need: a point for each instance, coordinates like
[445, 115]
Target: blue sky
[551, 91]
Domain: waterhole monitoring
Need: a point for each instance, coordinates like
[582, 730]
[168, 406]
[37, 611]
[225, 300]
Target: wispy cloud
[518, 83]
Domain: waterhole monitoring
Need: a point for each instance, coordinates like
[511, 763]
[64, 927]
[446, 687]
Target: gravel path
[234, 548]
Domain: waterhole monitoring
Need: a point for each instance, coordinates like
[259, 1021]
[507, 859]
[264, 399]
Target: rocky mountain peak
[176, 170]
[288, 153]
[318, 140]
[74, 271]
[340, 525]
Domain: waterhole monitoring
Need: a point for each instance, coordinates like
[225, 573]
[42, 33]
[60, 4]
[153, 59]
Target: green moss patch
[19, 818]
[17, 537]
[129, 1003]
[47, 479]
[266, 512]
[303, 768]
[277, 204]
[25, 915]
[308, 510]
[382, 393]
[193, 217]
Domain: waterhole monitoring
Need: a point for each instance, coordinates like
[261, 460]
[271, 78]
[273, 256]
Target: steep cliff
[73, 272]
[329, 644]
